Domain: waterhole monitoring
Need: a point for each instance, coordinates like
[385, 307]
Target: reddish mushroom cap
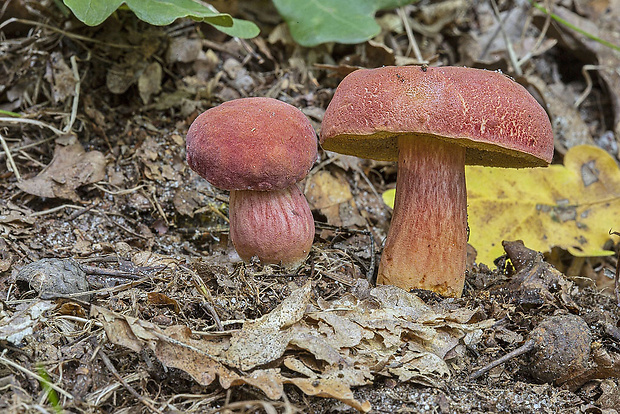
[252, 144]
[498, 121]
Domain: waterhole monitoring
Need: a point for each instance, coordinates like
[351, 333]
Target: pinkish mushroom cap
[434, 121]
[252, 144]
[498, 122]
[259, 148]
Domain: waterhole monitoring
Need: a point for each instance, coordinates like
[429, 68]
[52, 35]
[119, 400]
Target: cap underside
[383, 146]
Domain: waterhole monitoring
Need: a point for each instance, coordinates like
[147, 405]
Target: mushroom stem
[427, 241]
[276, 226]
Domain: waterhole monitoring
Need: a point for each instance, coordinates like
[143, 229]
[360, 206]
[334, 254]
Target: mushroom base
[426, 244]
[276, 226]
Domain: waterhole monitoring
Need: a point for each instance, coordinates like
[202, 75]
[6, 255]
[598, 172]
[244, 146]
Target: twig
[371, 267]
[35, 376]
[93, 270]
[64, 33]
[125, 229]
[102, 394]
[158, 207]
[588, 89]
[32, 122]
[511, 52]
[539, 40]
[54, 210]
[31, 159]
[208, 302]
[78, 213]
[119, 192]
[33, 144]
[76, 97]
[413, 44]
[128, 387]
[526, 347]
[9, 158]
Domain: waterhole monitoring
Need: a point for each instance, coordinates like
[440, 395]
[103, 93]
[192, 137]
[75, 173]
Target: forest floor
[150, 308]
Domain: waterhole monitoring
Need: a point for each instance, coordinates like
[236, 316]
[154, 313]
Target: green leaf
[161, 13]
[164, 12]
[313, 22]
[93, 12]
[240, 28]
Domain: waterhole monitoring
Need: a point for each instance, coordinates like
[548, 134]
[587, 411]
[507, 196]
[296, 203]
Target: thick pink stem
[277, 226]
[427, 241]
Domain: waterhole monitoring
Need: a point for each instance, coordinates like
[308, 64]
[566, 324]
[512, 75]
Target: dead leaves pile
[323, 348]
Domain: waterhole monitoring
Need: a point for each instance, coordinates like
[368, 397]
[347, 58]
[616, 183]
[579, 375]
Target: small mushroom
[433, 121]
[259, 148]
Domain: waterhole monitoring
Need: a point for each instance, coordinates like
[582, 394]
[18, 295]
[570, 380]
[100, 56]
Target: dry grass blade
[99, 396]
[9, 157]
[34, 375]
[31, 122]
[147, 402]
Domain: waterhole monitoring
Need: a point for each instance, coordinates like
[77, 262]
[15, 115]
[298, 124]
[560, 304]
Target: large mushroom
[433, 121]
[259, 148]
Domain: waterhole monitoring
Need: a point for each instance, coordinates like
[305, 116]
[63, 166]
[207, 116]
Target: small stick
[208, 298]
[588, 89]
[526, 347]
[128, 387]
[78, 213]
[9, 157]
[413, 44]
[64, 33]
[119, 192]
[76, 97]
[511, 52]
[35, 376]
[371, 267]
[539, 40]
[32, 122]
[93, 270]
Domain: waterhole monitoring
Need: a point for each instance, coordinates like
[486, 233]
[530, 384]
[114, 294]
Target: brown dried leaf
[70, 168]
[346, 342]
[190, 355]
[569, 128]
[130, 332]
[182, 49]
[329, 388]
[159, 299]
[60, 77]
[265, 339]
[149, 81]
[536, 282]
[331, 195]
[120, 77]
[603, 23]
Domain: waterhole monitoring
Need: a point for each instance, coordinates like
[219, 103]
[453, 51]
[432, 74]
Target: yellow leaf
[573, 206]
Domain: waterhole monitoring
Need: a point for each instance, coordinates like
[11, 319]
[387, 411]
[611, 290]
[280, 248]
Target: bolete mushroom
[259, 148]
[433, 121]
